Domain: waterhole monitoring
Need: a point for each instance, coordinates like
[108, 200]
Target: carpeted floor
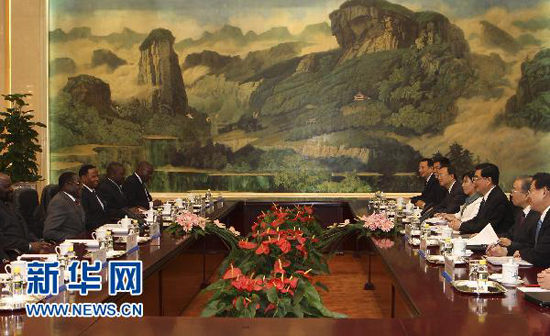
[346, 294]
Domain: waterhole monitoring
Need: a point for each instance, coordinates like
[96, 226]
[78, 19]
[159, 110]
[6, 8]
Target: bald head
[145, 170]
[6, 190]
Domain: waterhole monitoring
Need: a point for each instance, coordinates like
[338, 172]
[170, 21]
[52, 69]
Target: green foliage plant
[19, 140]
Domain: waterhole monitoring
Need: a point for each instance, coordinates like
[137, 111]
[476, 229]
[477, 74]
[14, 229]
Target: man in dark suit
[537, 251]
[94, 207]
[521, 233]
[495, 207]
[110, 190]
[440, 161]
[134, 187]
[455, 195]
[433, 193]
[15, 236]
[65, 218]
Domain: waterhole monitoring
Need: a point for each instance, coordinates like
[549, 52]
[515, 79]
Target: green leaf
[300, 291]
[272, 295]
[240, 303]
[322, 286]
[211, 309]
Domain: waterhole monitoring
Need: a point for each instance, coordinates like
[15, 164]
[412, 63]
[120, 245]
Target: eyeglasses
[475, 178]
[519, 192]
[76, 183]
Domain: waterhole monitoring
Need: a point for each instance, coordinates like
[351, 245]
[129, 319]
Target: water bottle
[482, 276]
[447, 247]
[426, 231]
[17, 283]
[109, 243]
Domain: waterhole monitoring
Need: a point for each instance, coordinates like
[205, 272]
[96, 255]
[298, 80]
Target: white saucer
[498, 277]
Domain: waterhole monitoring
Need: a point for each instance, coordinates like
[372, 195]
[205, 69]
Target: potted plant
[19, 140]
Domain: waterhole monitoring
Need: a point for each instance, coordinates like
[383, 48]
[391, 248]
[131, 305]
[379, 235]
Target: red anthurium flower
[308, 209]
[244, 244]
[302, 248]
[284, 245]
[269, 307]
[263, 249]
[305, 274]
[287, 290]
[232, 273]
[301, 240]
[277, 222]
[278, 267]
[293, 282]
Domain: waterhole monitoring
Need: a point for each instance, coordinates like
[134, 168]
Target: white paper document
[487, 236]
[533, 290]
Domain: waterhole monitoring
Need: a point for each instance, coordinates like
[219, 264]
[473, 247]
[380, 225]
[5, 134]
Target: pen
[531, 285]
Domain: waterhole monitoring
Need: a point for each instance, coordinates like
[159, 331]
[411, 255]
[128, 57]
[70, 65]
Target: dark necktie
[98, 199]
[521, 218]
[481, 204]
[539, 225]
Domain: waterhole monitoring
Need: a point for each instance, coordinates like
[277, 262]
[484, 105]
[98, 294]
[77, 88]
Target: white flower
[345, 223]
[233, 231]
[219, 224]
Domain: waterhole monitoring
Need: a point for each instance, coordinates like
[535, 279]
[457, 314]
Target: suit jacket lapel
[78, 208]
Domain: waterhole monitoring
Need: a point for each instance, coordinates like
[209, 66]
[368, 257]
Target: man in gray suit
[65, 218]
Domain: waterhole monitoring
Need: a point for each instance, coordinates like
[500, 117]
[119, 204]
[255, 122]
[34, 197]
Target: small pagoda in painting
[359, 96]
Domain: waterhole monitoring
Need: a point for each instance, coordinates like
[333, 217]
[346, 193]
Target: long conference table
[175, 270]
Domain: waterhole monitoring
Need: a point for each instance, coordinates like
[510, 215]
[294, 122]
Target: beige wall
[28, 71]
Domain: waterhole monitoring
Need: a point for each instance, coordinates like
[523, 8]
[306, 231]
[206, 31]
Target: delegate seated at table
[495, 208]
[65, 218]
[433, 193]
[135, 189]
[471, 205]
[455, 196]
[538, 250]
[15, 236]
[110, 189]
[520, 234]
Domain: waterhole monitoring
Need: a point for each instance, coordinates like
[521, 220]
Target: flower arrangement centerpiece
[270, 273]
[377, 225]
[188, 223]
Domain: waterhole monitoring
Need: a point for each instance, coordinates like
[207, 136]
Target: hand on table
[455, 224]
[504, 242]
[497, 251]
[543, 278]
[420, 204]
[40, 247]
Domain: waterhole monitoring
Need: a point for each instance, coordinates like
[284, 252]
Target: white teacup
[99, 234]
[167, 209]
[510, 272]
[22, 264]
[446, 232]
[125, 222]
[64, 248]
[150, 215]
[459, 247]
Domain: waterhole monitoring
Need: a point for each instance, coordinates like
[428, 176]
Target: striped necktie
[539, 225]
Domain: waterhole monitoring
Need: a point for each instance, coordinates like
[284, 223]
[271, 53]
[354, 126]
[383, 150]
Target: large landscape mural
[299, 96]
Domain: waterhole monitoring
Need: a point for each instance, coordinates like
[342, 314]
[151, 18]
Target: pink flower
[384, 243]
[377, 222]
[189, 220]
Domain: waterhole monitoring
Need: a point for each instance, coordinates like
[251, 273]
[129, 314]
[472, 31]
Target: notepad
[486, 236]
